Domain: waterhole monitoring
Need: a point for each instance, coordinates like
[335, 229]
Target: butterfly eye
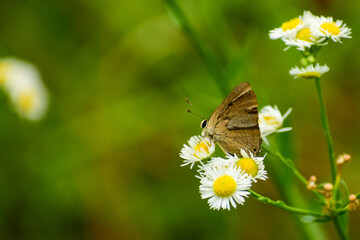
[203, 124]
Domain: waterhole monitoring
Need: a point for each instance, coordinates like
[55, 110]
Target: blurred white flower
[307, 30]
[23, 85]
[199, 148]
[309, 72]
[271, 121]
[326, 27]
[304, 38]
[291, 27]
[224, 186]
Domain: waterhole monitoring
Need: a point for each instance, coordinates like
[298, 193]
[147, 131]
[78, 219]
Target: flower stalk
[282, 205]
[326, 128]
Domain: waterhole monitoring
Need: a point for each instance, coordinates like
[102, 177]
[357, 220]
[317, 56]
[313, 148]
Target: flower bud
[311, 59]
[328, 187]
[342, 159]
[312, 183]
[354, 202]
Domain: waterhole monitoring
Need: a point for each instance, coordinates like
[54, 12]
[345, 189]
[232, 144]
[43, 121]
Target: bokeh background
[104, 164]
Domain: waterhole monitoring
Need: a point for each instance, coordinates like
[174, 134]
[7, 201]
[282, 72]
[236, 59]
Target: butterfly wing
[234, 123]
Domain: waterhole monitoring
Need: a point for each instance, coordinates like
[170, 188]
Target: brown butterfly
[234, 123]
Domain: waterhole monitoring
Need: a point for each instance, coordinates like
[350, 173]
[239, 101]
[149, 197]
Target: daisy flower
[326, 27]
[23, 85]
[290, 27]
[214, 163]
[271, 121]
[309, 72]
[224, 187]
[304, 38]
[252, 166]
[198, 148]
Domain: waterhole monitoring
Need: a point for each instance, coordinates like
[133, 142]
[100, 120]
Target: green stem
[341, 228]
[342, 232]
[325, 124]
[203, 49]
[336, 185]
[285, 207]
[292, 167]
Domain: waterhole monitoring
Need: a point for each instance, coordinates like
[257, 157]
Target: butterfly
[234, 123]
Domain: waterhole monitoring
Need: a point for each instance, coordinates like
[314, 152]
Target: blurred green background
[104, 162]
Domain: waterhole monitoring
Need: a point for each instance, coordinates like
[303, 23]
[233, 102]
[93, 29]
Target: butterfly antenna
[187, 100]
[195, 114]
[198, 112]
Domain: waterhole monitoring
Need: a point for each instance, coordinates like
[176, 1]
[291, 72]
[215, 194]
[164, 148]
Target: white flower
[199, 148]
[224, 186]
[252, 166]
[24, 86]
[300, 44]
[326, 27]
[271, 121]
[309, 71]
[305, 35]
[304, 38]
[291, 27]
[215, 162]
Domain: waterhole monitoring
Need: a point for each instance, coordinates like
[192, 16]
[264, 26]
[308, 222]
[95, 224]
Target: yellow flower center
[271, 120]
[26, 101]
[309, 75]
[4, 67]
[248, 165]
[331, 28]
[201, 146]
[304, 34]
[224, 186]
[291, 24]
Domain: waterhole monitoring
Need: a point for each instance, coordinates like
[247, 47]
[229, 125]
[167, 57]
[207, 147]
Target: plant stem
[292, 167]
[341, 228]
[325, 124]
[285, 207]
[342, 232]
[203, 49]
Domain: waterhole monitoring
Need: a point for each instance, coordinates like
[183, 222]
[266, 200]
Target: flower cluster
[307, 30]
[308, 33]
[23, 85]
[225, 182]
